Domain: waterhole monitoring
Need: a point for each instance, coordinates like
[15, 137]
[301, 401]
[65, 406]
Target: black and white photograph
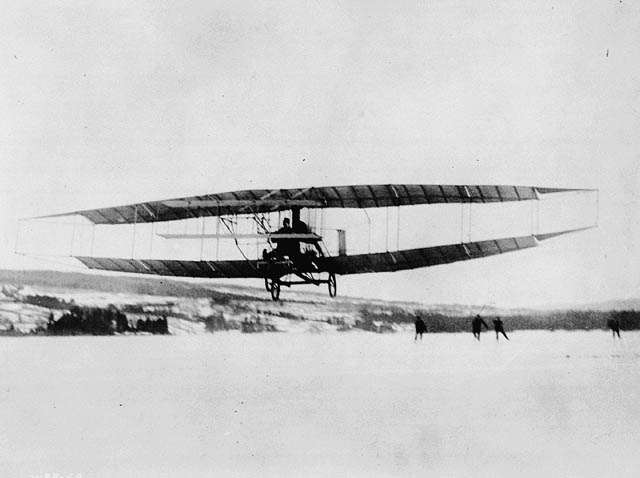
[296, 238]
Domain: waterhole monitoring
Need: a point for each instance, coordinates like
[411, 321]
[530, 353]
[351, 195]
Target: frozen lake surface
[552, 404]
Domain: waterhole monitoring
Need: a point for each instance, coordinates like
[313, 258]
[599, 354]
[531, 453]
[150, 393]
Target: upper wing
[265, 200]
[355, 264]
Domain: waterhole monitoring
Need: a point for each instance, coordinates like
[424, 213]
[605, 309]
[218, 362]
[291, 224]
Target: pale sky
[109, 103]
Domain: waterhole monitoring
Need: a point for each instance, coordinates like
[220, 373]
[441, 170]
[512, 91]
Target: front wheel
[267, 284]
[275, 289]
[333, 285]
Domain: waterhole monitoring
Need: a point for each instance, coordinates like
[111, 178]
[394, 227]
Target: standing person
[421, 328]
[614, 325]
[476, 326]
[499, 328]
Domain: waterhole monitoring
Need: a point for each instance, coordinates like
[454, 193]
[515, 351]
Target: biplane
[296, 254]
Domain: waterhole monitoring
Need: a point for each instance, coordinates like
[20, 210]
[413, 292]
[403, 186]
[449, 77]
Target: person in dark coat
[476, 326]
[300, 227]
[499, 328]
[421, 328]
[286, 247]
[614, 325]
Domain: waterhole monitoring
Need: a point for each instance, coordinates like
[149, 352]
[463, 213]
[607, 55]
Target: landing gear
[283, 276]
[333, 285]
[275, 289]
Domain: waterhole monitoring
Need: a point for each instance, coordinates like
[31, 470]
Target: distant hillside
[222, 294]
[615, 304]
[113, 284]
[184, 299]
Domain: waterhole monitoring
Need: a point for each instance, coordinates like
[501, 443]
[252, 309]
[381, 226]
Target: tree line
[551, 320]
[100, 321]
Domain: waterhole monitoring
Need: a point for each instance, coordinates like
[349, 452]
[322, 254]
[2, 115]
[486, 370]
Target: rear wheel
[275, 289]
[333, 285]
[267, 284]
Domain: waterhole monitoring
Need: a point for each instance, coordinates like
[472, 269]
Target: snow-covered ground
[552, 404]
[24, 317]
[186, 315]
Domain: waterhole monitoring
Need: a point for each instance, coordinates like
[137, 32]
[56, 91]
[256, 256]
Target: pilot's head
[285, 223]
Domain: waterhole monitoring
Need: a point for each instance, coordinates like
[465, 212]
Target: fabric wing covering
[265, 200]
[355, 264]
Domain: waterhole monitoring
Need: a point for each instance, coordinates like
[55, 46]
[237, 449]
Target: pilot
[286, 227]
[300, 227]
[285, 247]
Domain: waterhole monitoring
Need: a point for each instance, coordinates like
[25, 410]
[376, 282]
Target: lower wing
[348, 264]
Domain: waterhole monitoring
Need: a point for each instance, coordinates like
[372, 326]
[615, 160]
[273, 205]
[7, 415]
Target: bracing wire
[235, 239]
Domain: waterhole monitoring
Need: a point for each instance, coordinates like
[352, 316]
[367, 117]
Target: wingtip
[565, 190]
[551, 235]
